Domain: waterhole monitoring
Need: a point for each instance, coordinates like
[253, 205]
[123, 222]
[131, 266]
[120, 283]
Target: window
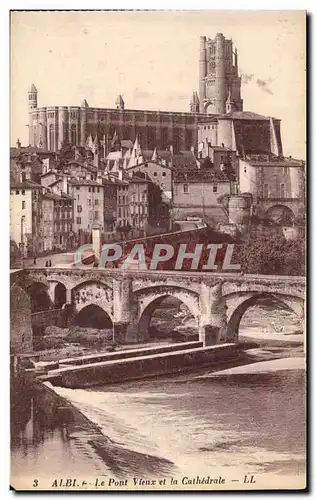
[266, 191]
[89, 189]
[208, 127]
[23, 205]
[164, 174]
[186, 188]
[78, 220]
[73, 132]
[23, 191]
[17, 192]
[96, 215]
[79, 208]
[155, 174]
[96, 202]
[285, 170]
[98, 190]
[89, 202]
[214, 188]
[77, 187]
[282, 191]
[93, 189]
[23, 177]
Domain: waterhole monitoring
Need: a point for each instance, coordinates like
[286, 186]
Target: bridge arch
[279, 213]
[93, 292]
[60, 295]
[93, 316]
[241, 304]
[149, 300]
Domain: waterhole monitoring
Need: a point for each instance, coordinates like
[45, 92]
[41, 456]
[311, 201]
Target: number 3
[35, 483]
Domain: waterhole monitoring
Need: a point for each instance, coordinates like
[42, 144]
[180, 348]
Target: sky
[151, 58]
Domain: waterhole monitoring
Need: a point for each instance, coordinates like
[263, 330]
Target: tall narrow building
[218, 78]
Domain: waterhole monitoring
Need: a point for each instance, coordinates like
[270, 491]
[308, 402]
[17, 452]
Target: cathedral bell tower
[218, 76]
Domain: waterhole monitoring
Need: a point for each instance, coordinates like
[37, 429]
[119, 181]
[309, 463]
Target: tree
[272, 255]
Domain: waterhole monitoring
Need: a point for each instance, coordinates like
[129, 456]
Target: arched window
[51, 137]
[73, 134]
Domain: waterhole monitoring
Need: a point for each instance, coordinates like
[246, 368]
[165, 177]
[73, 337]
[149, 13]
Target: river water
[168, 426]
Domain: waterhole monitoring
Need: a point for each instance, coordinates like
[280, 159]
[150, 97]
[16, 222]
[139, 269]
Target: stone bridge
[217, 301]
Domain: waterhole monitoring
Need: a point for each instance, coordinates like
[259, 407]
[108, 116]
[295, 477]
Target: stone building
[88, 204]
[138, 192]
[25, 213]
[196, 193]
[277, 186]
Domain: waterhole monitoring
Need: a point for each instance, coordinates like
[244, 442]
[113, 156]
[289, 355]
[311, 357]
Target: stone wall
[41, 320]
[21, 333]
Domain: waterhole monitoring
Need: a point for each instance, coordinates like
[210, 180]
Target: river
[169, 426]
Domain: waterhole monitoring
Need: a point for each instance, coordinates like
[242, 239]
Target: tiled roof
[26, 185]
[127, 144]
[87, 166]
[200, 175]
[30, 149]
[243, 115]
[162, 153]
[50, 172]
[84, 182]
[56, 196]
[185, 159]
[273, 161]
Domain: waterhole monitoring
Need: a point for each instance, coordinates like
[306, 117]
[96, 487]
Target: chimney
[18, 144]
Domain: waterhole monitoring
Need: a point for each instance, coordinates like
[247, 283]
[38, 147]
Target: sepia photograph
[158, 250]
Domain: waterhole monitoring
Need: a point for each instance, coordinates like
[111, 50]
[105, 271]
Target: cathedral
[219, 93]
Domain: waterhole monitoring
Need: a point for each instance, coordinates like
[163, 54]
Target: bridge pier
[213, 323]
[51, 290]
[120, 332]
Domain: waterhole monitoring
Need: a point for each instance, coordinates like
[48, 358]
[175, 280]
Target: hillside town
[134, 174]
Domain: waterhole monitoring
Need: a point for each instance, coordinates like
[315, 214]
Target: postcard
[157, 250]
